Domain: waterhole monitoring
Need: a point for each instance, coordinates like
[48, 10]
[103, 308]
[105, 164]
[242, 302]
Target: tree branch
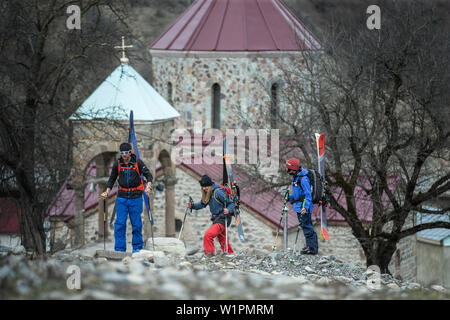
[425, 226]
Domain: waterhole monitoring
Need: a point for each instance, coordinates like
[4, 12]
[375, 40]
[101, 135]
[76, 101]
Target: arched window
[169, 92]
[216, 106]
[274, 106]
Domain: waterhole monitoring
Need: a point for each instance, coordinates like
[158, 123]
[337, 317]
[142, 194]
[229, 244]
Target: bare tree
[46, 72]
[381, 97]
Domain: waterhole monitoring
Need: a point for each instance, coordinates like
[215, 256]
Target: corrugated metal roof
[436, 234]
[237, 25]
[124, 90]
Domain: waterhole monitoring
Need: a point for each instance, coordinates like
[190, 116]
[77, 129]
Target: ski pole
[298, 229]
[104, 224]
[113, 216]
[150, 218]
[286, 196]
[185, 214]
[226, 234]
[182, 225]
[295, 243]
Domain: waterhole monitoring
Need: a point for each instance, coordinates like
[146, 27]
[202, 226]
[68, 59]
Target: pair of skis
[228, 180]
[320, 143]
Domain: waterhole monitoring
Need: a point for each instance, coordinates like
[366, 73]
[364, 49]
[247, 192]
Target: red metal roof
[64, 203]
[9, 215]
[237, 25]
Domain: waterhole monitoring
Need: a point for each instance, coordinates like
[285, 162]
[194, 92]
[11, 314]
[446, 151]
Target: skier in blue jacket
[303, 205]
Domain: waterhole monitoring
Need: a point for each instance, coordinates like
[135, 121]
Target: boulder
[161, 261]
[438, 288]
[167, 245]
[111, 255]
[19, 250]
[309, 269]
[393, 285]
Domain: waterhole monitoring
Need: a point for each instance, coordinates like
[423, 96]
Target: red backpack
[128, 167]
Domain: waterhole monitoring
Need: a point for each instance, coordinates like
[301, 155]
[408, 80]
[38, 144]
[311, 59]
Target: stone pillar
[169, 183]
[77, 223]
[101, 177]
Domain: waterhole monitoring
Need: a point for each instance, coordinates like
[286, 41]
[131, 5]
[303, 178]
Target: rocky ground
[250, 274]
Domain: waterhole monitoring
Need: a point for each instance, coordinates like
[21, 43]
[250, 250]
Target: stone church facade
[215, 88]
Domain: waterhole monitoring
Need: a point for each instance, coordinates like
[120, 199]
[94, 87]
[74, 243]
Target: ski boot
[308, 250]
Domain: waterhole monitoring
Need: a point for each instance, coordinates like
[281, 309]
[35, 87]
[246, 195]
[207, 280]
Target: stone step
[111, 255]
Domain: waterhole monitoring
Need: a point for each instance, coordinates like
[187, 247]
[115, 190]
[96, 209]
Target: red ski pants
[216, 230]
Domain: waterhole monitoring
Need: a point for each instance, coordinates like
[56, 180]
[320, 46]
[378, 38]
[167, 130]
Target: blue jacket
[301, 192]
[219, 200]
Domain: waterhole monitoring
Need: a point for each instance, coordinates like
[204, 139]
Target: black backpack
[318, 192]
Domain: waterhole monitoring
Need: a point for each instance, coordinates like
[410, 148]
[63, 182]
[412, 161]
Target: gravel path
[251, 274]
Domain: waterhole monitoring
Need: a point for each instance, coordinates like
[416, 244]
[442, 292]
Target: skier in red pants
[220, 205]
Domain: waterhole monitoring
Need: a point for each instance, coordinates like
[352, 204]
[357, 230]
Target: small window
[274, 107]
[216, 106]
[169, 92]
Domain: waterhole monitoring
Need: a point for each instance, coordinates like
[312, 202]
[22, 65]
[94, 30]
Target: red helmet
[293, 164]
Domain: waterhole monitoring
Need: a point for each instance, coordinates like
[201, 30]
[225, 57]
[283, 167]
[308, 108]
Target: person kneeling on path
[220, 205]
[303, 205]
[128, 169]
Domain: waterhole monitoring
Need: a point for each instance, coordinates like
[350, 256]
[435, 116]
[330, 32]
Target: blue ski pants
[124, 208]
[308, 231]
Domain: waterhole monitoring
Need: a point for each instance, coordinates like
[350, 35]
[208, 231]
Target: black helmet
[125, 146]
[205, 181]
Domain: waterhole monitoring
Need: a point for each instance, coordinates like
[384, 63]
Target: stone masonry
[245, 81]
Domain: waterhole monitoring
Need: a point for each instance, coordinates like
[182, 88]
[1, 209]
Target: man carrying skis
[129, 198]
[220, 205]
[303, 206]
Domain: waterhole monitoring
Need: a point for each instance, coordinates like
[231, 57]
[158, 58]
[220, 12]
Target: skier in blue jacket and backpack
[302, 200]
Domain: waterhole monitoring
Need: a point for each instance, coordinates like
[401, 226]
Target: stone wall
[9, 240]
[342, 243]
[403, 264]
[245, 81]
[60, 235]
[430, 264]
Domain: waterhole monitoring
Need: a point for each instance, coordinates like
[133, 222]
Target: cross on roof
[124, 59]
